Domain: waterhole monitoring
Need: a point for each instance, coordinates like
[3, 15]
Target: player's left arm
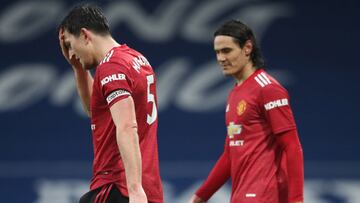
[276, 105]
[289, 142]
[123, 115]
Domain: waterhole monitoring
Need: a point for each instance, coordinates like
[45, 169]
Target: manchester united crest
[241, 107]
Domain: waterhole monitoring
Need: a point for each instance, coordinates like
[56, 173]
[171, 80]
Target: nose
[220, 57]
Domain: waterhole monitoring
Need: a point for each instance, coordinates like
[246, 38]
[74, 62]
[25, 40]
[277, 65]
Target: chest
[245, 120]
[243, 107]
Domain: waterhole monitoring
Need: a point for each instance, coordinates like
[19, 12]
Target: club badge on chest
[241, 107]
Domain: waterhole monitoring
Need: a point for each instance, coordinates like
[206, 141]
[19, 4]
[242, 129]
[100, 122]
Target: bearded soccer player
[262, 154]
[121, 101]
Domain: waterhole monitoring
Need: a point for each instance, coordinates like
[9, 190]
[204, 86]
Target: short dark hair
[85, 16]
[241, 33]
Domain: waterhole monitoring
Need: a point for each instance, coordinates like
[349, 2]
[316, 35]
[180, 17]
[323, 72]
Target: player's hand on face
[196, 199]
[138, 196]
[65, 51]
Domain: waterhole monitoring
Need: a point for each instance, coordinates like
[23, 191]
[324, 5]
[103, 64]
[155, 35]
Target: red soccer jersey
[256, 111]
[125, 72]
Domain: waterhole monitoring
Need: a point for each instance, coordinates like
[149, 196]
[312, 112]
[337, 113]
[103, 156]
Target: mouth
[225, 66]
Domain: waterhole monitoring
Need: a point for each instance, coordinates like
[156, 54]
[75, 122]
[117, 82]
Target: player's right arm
[217, 177]
[83, 78]
[84, 83]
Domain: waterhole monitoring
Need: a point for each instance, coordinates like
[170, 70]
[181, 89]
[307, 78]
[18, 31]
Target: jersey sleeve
[115, 81]
[276, 107]
[289, 142]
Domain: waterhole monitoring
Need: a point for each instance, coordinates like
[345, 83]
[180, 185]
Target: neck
[245, 72]
[103, 46]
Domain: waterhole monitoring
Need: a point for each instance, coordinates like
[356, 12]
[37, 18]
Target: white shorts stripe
[258, 81]
[266, 78]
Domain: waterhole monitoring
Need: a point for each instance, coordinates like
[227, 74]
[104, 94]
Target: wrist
[135, 188]
[78, 69]
[80, 72]
[196, 199]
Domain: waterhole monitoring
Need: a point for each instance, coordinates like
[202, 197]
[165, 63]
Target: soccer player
[262, 153]
[121, 101]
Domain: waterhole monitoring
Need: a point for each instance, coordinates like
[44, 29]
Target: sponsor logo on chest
[234, 129]
[236, 143]
[276, 103]
[112, 77]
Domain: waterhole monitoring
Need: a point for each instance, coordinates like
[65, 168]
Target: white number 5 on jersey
[151, 99]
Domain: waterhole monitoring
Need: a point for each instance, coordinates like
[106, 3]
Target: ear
[87, 35]
[248, 47]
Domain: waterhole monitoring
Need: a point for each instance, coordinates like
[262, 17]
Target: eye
[226, 50]
[67, 45]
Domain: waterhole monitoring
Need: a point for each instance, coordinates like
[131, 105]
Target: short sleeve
[115, 82]
[276, 107]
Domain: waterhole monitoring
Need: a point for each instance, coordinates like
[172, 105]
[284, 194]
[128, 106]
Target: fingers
[63, 48]
[61, 34]
[65, 51]
[62, 39]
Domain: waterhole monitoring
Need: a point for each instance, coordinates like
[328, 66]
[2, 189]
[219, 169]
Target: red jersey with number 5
[125, 72]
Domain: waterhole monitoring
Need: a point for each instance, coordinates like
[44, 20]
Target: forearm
[84, 82]
[295, 165]
[83, 78]
[217, 177]
[128, 143]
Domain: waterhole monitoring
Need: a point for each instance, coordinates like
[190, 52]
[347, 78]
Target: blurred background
[311, 47]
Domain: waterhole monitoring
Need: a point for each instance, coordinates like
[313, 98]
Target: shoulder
[269, 87]
[265, 82]
[124, 58]
[114, 56]
[112, 68]
[113, 62]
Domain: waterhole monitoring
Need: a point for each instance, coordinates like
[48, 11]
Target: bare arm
[83, 78]
[123, 114]
[84, 83]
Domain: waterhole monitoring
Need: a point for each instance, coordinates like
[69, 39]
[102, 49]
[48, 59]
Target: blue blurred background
[311, 47]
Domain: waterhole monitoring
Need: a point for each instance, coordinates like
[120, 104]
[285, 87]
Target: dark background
[311, 47]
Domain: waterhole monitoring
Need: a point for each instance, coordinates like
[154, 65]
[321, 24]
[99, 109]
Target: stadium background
[310, 46]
